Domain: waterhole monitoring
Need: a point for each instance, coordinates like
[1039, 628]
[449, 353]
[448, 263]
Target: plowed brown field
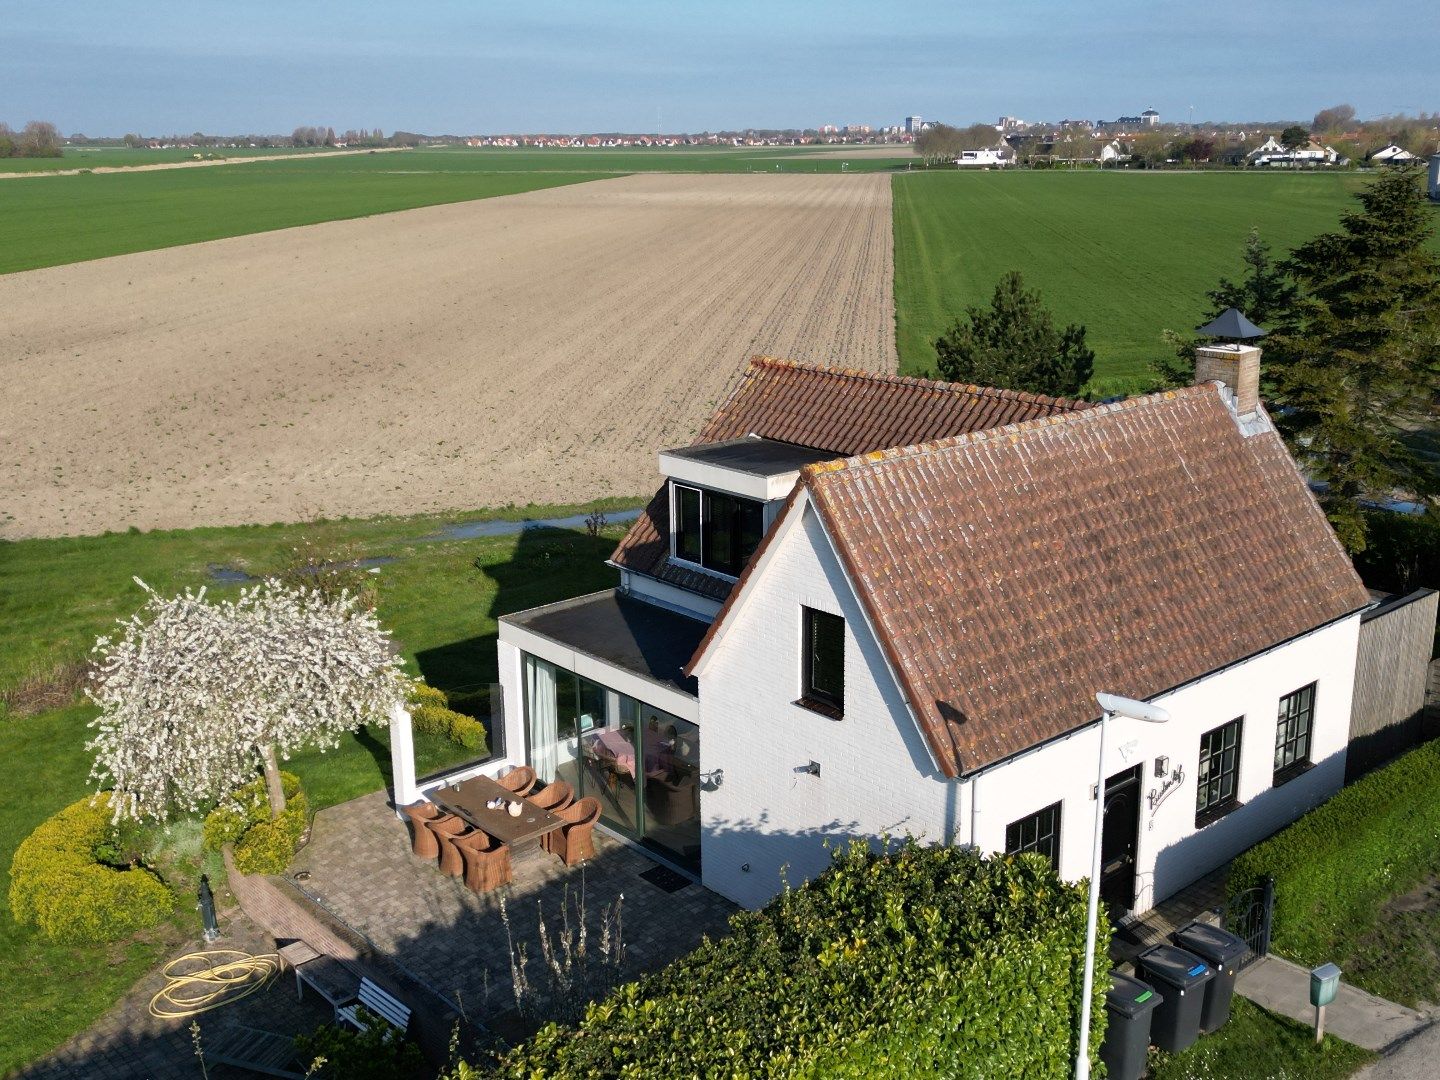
[531, 348]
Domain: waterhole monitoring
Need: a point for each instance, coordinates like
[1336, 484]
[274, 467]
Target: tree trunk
[273, 787]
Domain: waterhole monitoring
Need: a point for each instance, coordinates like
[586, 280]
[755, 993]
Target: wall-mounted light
[712, 780]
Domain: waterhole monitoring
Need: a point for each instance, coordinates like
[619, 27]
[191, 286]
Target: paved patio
[127, 1043]
[358, 865]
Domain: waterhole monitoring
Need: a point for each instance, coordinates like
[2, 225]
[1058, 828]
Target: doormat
[665, 879]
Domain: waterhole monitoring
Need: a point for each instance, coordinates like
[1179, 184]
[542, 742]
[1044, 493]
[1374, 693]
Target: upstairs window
[1040, 833]
[1292, 733]
[717, 531]
[823, 675]
[1218, 777]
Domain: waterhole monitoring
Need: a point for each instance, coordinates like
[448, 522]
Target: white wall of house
[877, 776]
[1172, 852]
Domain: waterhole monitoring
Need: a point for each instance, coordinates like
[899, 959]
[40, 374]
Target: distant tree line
[325, 136]
[37, 139]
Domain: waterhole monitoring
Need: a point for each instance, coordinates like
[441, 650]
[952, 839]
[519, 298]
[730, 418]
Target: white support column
[402, 758]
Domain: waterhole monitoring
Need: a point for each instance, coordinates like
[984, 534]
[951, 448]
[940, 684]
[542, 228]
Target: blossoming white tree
[194, 695]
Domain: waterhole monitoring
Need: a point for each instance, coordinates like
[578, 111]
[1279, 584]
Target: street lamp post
[1111, 705]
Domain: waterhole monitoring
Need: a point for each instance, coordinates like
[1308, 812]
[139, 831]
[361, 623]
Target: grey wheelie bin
[1223, 951]
[1129, 1003]
[1180, 977]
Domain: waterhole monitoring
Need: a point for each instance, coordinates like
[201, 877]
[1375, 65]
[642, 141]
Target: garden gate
[1247, 915]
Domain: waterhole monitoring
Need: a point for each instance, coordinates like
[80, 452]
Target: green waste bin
[1181, 977]
[1223, 951]
[1129, 1003]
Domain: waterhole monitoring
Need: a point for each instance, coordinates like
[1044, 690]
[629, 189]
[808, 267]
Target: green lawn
[440, 598]
[1259, 1045]
[113, 157]
[1126, 254]
[65, 219]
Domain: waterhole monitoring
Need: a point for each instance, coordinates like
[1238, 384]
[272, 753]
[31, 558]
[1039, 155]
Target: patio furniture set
[470, 827]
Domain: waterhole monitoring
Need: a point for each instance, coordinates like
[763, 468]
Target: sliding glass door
[641, 763]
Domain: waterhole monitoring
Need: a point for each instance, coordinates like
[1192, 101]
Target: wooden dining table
[467, 801]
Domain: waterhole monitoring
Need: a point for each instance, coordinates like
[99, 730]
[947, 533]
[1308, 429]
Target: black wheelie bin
[1180, 977]
[1223, 951]
[1130, 1004]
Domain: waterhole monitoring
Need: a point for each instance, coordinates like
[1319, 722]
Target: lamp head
[1135, 710]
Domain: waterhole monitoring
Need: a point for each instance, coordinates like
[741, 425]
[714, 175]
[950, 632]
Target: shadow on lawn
[546, 565]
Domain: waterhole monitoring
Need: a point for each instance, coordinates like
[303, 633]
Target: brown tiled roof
[836, 409]
[1012, 573]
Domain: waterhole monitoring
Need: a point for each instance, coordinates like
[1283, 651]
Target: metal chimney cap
[1233, 325]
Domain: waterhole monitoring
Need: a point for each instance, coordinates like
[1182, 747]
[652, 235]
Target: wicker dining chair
[446, 829]
[554, 797]
[520, 780]
[487, 860]
[422, 840]
[574, 842]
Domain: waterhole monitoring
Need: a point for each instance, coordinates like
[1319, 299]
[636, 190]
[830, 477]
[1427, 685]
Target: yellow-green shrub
[58, 886]
[262, 845]
[422, 693]
[449, 724]
[430, 713]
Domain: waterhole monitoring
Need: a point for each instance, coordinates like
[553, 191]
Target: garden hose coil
[200, 981]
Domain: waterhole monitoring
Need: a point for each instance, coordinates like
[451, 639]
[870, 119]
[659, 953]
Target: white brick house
[865, 605]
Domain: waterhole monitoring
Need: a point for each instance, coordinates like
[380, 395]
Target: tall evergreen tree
[1264, 292]
[1353, 367]
[1013, 344]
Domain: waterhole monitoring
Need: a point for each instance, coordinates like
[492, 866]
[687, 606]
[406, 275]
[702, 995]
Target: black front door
[1118, 841]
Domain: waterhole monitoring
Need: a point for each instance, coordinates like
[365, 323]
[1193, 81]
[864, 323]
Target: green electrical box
[1324, 981]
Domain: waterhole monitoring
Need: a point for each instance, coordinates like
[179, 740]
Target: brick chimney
[1237, 366]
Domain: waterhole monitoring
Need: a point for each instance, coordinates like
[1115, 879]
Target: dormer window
[714, 530]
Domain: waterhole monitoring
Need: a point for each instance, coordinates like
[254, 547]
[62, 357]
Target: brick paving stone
[416, 922]
[359, 864]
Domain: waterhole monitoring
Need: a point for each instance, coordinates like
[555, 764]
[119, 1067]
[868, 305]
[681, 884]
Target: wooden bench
[258, 1051]
[377, 1001]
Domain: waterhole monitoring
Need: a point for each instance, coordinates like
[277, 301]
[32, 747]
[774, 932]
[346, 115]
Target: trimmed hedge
[1335, 867]
[262, 845]
[58, 885]
[920, 962]
[431, 714]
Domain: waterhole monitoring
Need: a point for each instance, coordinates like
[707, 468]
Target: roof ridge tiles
[1019, 427]
[974, 389]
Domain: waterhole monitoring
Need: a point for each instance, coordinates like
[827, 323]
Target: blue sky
[459, 67]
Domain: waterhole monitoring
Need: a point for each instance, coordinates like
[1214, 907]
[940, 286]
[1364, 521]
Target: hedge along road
[539, 347]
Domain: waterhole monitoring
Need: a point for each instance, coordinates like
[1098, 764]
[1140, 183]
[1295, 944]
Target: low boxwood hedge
[923, 962]
[262, 845]
[1335, 867]
[431, 714]
[58, 884]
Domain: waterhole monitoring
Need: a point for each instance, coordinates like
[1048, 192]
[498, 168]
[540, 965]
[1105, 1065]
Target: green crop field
[117, 157]
[65, 219]
[1127, 254]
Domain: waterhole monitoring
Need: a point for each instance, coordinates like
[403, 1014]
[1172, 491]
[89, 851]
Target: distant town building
[1434, 180]
[1010, 123]
[996, 157]
[1148, 119]
[1272, 153]
[914, 125]
[1389, 155]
